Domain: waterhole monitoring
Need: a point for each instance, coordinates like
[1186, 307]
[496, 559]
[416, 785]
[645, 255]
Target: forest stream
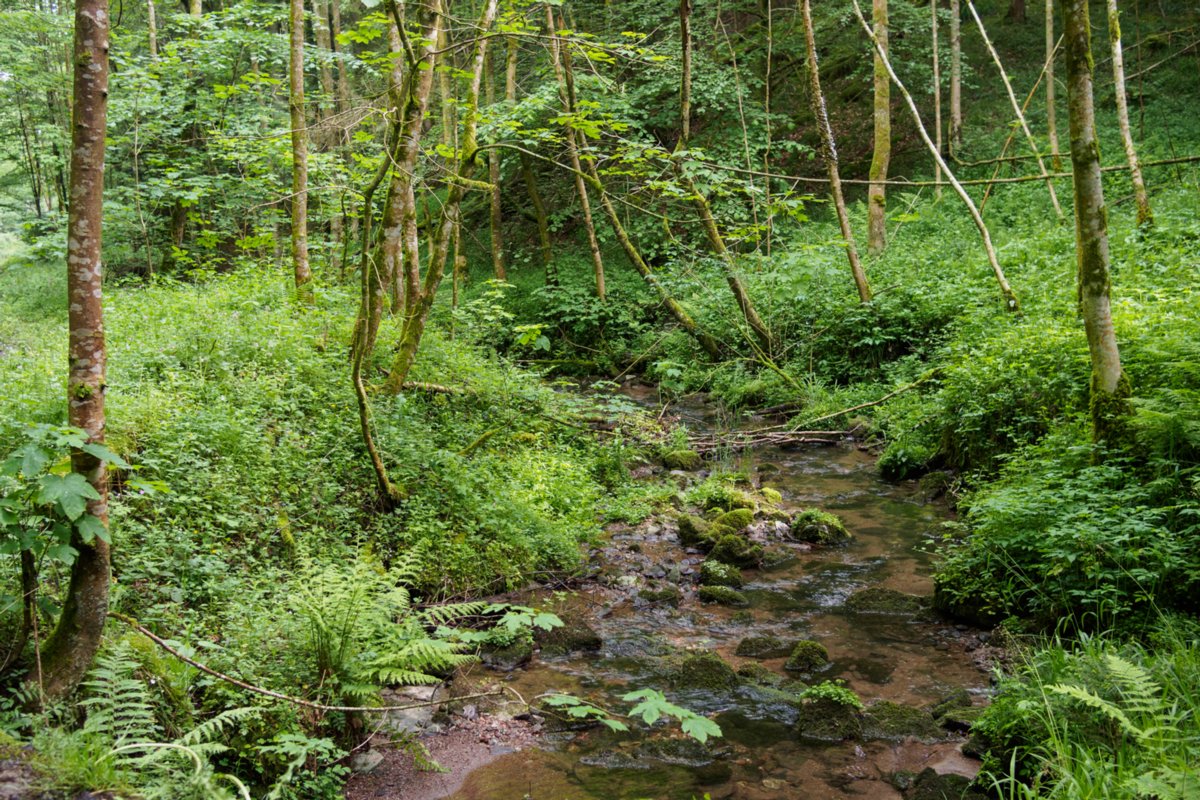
[859, 600]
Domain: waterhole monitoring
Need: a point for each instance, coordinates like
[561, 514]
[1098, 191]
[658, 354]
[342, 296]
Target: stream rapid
[906, 657]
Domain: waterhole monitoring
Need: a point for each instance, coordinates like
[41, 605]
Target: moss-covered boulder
[734, 521]
[573, 636]
[777, 557]
[704, 671]
[806, 656]
[763, 647]
[508, 657]
[818, 527]
[894, 722]
[736, 550]
[717, 496]
[757, 674]
[877, 600]
[722, 596]
[718, 573]
[682, 459]
[929, 785]
[934, 484]
[667, 596]
[695, 532]
[772, 496]
[826, 720]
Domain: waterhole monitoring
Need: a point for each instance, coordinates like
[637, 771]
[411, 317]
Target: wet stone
[895, 722]
[717, 573]
[736, 550]
[807, 656]
[667, 595]
[818, 527]
[877, 600]
[704, 671]
[573, 636]
[763, 647]
[722, 595]
[929, 785]
[508, 658]
[828, 721]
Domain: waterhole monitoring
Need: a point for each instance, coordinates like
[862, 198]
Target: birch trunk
[152, 30]
[877, 191]
[937, 93]
[1051, 109]
[956, 114]
[1144, 215]
[1109, 387]
[67, 654]
[829, 153]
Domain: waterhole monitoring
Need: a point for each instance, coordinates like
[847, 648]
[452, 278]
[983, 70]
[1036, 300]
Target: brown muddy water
[912, 659]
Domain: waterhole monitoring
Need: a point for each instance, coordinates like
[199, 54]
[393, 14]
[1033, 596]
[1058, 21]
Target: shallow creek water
[908, 660]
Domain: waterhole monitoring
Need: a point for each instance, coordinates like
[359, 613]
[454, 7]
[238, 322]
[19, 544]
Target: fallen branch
[298, 701]
[926, 377]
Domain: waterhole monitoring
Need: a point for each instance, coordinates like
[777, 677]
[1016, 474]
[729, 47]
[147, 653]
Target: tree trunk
[1010, 297]
[300, 267]
[152, 30]
[877, 191]
[561, 58]
[937, 93]
[68, 652]
[496, 211]
[320, 12]
[527, 175]
[1144, 215]
[1109, 386]
[1051, 110]
[829, 153]
[1016, 107]
[195, 7]
[1016, 11]
[685, 82]
[956, 114]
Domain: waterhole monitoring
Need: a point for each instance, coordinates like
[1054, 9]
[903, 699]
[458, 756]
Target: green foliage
[833, 692]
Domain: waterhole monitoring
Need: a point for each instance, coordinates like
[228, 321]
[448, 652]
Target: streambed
[642, 603]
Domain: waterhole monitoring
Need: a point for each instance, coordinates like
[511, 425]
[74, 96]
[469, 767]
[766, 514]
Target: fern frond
[1098, 703]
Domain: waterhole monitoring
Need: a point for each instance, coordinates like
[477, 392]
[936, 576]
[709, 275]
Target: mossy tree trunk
[527, 175]
[67, 654]
[1109, 386]
[956, 112]
[1141, 197]
[1051, 106]
[937, 91]
[829, 153]
[495, 209]
[882, 156]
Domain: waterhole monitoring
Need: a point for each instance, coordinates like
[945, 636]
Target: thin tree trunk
[685, 82]
[195, 7]
[152, 30]
[937, 93]
[1016, 11]
[419, 296]
[1109, 387]
[300, 266]
[526, 166]
[561, 58]
[320, 12]
[1010, 297]
[829, 153]
[956, 114]
[877, 191]
[496, 215]
[343, 79]
[1144, 215]
[1051, 110]
[1016, 107]
[68, 652]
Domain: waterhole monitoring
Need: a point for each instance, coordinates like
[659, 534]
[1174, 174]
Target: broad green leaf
[91, 528]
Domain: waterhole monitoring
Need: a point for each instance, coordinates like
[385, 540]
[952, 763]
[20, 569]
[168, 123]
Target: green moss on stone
[734, 521]
[895, 721]
[737, 550]
[772, 496]
[819, 527]
[682, 459]
[762, 647]
[695, 532]
[718, 573]
[704, 671]
[807, 656]
[668, 595]
[722, 595]
[877, 600]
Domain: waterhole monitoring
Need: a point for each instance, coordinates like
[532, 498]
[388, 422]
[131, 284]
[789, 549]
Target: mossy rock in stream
[573, 636]
[667, 595]
[807, 656]
[878, 600]
[895, 722]
[772, 496]
[734, 521]
[763, 647]
[704, 671]
[759, 675]
[828, 721]
[682, 459]
[726, 498]
[777, 557]
[818, 527]
[736, 550]
[695, 532]
[722, 596]
[929, 785]
[507, 658]
[718, 573]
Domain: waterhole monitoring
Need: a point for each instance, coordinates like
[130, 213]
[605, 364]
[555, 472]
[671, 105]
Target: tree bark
[496, 211]
[68, 652]
[877, 191]
[685, 82]
[1144, 215]
[320, 12]
[829, 153]
[152, 30]
[1051, 109]
[1109, 387]
[527, 175]
[1016, 107]
[1010, 297]
[937, 92]
[1016, 11]
[195, 7]
[956, 114]
[300, 266]
[561, 58]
